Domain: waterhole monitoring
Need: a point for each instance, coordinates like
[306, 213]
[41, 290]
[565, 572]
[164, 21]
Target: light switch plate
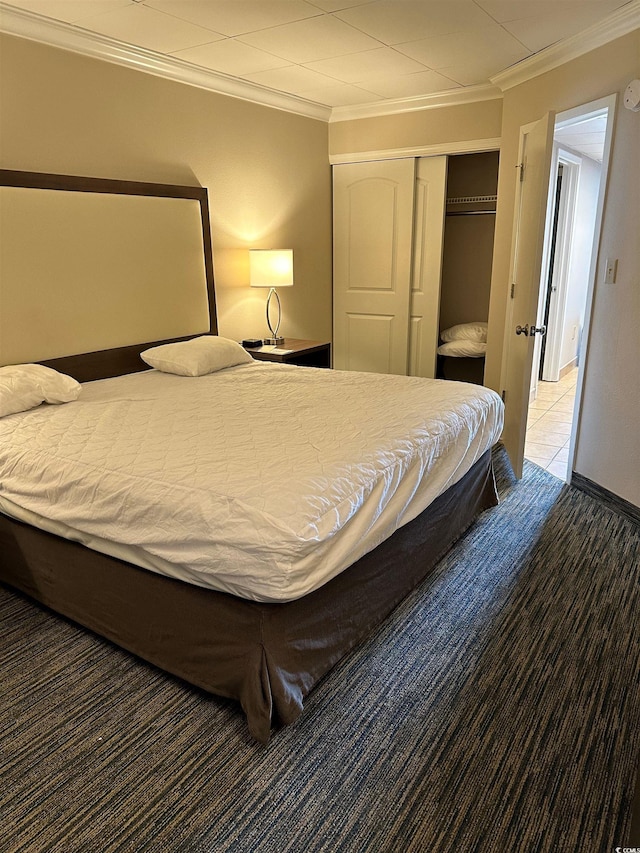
[611, 270]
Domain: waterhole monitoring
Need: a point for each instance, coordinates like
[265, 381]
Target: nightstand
[296, 351]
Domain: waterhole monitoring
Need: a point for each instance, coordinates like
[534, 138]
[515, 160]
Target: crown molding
[448, 98]
[34, 27]
[467, 146]
[621, 22]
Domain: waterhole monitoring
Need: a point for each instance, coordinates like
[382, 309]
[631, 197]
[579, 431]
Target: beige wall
[608, 449]
[268, 177]
[431, 127]
[267, 171]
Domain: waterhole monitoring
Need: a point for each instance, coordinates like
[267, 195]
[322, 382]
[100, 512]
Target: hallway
[549, 424]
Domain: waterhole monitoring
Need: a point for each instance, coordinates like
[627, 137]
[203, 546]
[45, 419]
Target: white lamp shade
[271, 267]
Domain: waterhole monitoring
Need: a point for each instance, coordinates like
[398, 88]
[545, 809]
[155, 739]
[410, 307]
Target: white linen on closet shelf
[261, 480]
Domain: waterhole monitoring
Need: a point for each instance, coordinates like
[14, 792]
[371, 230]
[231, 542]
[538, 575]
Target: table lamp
[271, 268]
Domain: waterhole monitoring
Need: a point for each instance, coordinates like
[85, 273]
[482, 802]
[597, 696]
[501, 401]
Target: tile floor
[549, 424]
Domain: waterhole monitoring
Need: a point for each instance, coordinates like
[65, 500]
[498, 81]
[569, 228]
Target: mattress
[263, 480]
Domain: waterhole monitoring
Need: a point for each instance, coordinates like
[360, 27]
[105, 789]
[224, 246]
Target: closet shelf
[472, 200]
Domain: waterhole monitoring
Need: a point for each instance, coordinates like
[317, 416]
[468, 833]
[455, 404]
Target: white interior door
[373, 245]
[430, 200]
[562, 266]
[536, 146]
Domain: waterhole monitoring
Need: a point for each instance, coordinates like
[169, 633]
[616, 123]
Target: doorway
[553, 271]
[576, 189]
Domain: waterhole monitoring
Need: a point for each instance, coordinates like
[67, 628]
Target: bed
[461, 353]
[276, 591]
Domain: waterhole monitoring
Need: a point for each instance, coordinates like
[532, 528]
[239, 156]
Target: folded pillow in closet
[25, 386]
[466, 332]
[197, 356]
[463, 349]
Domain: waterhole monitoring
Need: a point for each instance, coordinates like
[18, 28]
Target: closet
[413, 243]
[472, 184]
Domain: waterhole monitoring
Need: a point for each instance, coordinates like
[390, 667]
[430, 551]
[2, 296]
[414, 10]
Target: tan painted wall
[267, 171]
[421, 128]
[268, 178]
[608, 450]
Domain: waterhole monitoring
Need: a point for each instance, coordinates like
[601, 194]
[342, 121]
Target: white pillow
[462, 348]
[466, 332]
[196, 357]
[25, 386]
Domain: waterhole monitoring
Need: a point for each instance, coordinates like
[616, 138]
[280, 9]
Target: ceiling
[337, 53]
[584, 135]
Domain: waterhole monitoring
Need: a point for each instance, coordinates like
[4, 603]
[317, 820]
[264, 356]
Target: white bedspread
[261, 480]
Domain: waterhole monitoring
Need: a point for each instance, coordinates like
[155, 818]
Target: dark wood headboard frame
[119, 360]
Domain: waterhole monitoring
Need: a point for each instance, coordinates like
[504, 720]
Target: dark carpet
[498, 709]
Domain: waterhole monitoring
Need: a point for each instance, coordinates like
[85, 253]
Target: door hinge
[504, 396]
[521, 167]
[513, 290]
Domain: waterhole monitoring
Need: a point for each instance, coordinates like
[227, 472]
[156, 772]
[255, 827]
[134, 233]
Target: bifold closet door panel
[430, 199]
[373, 248]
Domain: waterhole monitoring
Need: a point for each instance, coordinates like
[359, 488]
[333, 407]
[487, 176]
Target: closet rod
[469, 212]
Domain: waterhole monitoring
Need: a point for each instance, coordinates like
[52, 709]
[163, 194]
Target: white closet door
[373, 236]
[430, 200]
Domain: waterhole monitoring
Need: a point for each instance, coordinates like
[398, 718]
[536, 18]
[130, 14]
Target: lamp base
[273, 342]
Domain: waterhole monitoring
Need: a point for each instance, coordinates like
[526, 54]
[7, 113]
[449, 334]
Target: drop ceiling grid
[338, 52]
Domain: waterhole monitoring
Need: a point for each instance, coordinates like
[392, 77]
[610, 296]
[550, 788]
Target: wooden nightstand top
[296, 351]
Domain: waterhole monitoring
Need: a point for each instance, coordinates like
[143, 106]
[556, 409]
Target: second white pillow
[25, 386]
[466, 332]
[196, 357]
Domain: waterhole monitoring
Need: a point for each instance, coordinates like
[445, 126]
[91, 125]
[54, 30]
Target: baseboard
[568, 367]
[613, 501]
[634, 832]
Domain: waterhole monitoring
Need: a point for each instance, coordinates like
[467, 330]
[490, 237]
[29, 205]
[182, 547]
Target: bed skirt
[266, 656]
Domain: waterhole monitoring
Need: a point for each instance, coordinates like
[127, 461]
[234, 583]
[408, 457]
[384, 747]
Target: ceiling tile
[490, 46]
[311, 40]
[473, 72]
[585, 136]
[592, 151]
[336, 5]
[409, 85]
[292, 78]
[597, 124]
[517, 10]
[233, 17]
[70, 10]
[231, 57]
[390, 48]
[355, 67]
[577, 139]
[539, 32]
[419, 18]
[341, 95]
[145, 27]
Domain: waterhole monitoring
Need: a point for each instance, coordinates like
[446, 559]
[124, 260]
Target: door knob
[533, 331]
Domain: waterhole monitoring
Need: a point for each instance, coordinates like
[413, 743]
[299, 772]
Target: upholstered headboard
[93, 271]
